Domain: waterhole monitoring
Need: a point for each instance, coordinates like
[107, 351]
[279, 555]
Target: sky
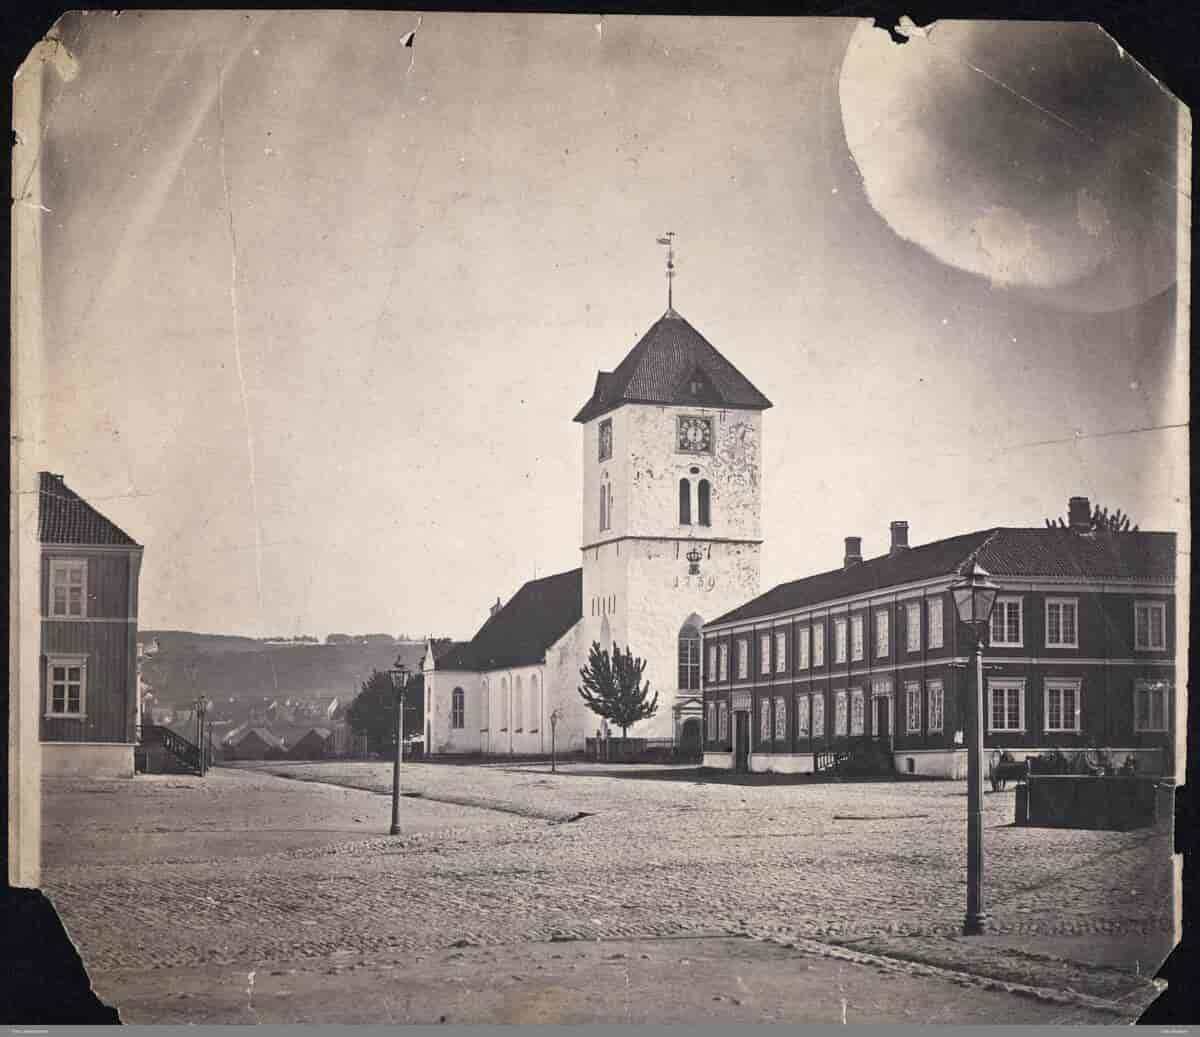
[319, 307]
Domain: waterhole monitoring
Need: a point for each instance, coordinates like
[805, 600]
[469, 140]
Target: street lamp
[201, 709]
[399, 682]
[554, 718]
[974, 597]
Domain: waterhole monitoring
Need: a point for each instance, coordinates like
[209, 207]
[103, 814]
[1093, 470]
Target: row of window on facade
[524, 715]
[1007, 629]
[703, 503]
[924, 709]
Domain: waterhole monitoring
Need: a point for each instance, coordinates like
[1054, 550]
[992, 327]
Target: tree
[1101, 521]
[373, 711]
[613, 687]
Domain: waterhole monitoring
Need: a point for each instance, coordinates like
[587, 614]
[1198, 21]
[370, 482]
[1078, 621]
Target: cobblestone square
[249, 871]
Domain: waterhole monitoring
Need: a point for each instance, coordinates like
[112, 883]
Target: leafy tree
[613, 687]
[1101, 521]
[373, 711]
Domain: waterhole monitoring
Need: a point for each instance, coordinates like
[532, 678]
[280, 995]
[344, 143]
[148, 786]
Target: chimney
[899, 538]
[1079, 514]
[853, 552]
[493, 609]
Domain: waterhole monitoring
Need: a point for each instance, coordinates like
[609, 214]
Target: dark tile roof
[66, 518]
[660, 367]
[1003, 552]
[519, 634]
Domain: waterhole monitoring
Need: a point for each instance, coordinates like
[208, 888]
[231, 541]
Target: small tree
[1101, 521]
[373, 712]
[613, 687]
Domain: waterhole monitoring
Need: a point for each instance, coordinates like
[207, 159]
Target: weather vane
[667, 239]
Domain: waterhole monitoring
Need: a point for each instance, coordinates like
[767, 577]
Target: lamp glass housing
[974, 597]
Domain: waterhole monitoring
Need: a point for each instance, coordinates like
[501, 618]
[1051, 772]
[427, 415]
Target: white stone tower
[672, 456]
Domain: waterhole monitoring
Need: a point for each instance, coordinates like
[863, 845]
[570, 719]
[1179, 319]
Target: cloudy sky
[319, 307]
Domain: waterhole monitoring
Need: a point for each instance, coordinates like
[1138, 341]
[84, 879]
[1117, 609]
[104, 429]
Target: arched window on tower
[703, 503]
[685, 502]
[689, 654]
[605, 505]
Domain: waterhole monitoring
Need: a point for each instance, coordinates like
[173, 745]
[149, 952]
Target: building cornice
[701, 541]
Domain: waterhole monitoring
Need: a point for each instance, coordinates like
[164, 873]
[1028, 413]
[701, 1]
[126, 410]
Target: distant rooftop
[66, 518]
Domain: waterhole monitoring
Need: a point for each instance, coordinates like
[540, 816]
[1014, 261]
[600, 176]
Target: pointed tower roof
[673, 364]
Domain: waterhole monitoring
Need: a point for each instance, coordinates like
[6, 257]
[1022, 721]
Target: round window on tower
[694, 470]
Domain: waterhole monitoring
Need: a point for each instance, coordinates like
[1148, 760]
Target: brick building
[1080, 654]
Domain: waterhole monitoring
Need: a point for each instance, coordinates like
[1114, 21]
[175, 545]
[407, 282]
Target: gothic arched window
[485, 706]
[685, 502]
[605, 505]
[534, 703]
[518, 705]
[504, 703]
[458, 708]
[703, 503]
[689, 655]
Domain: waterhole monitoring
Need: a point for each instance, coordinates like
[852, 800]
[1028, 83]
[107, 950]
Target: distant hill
[223, 667]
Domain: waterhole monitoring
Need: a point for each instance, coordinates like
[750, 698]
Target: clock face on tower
[694, 435]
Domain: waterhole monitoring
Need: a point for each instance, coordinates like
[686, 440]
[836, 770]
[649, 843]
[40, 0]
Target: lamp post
[974, 597]
[399, 682]
[201, 709]
[554, 716]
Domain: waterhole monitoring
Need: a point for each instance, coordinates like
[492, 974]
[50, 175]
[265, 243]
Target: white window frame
[841, 639]
[1150, 687]
[935, 691]
[710, 716]
[781, 651]
[937, 621]
[780, 719]
[818, 644]
[803, 716]
[883, 633]
[764, 722]
[857, 645]
[723, 670]
[858, 712]
[1151, 606]
[764, 655]
[912, 623]
[743, 658]
[802, 657]
[1058, 685]
[1060, 602]
[458, 716]
[841, 713]
[1006, 684]
[66, 660]
[1006, 600]
[818, 710]
[912, 695]
[711, 675]
[65, 566]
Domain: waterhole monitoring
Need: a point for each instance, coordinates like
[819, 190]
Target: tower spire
[668, 240]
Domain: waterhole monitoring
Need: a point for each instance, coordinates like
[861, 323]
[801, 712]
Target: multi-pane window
[856, 711]
[458, 708]
[1006, 622]
[802, 648]
[780, 719]
[839, 713]
[711, 674]
[764, 717]
[912, 626]
[1006, 706]
[882, 632]
[764, 654]
[818, 644]
[1062, 705]
[781, 651]
[802, 716]
[936, 626]
[723, 721]
[933, 691]
[710, 716]
[689, 658]
[818, 715]
[1150, 626]
[856, 637]
[1062, 626]
[1150, 705]
[724, 667]
[743, 658]
[912, 699]
[839, 640]
[66, 686]
[68, 588]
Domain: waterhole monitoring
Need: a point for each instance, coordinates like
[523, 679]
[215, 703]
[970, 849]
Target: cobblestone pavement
[247, 867]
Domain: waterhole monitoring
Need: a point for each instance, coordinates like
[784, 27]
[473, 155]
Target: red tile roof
[66, 518]
[519, 634]
[661, 369]
[1003, 552]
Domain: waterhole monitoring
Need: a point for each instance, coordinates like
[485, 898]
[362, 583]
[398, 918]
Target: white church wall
[439, 692]
[616, 468]
[563, 662]
[605, 595]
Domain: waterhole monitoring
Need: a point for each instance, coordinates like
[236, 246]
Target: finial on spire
[668, 240]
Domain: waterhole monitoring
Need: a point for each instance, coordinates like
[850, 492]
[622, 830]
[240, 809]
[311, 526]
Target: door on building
[741, 732]
[883, 720]
[689, 739]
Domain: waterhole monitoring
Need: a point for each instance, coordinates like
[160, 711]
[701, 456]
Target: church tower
[672, 509]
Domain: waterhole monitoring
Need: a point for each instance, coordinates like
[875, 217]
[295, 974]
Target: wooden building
[1080, 654]
[89, 604]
